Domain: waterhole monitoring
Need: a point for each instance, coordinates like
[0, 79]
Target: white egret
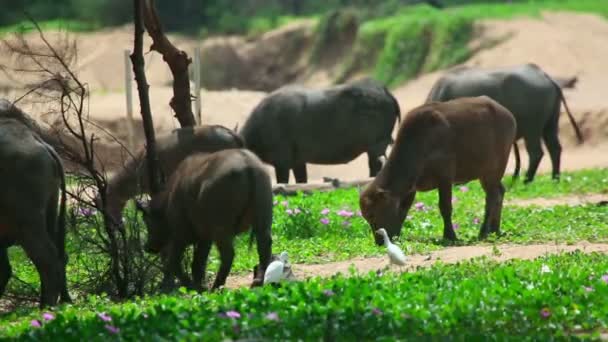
[274, 271]
[395, 254]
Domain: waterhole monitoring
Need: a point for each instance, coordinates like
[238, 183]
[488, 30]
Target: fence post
[129, 92]
[197, 84]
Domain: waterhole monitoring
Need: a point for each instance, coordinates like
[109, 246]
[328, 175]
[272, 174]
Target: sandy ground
[450, 255]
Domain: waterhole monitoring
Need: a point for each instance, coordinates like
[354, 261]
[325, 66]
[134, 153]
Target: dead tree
[178, 62]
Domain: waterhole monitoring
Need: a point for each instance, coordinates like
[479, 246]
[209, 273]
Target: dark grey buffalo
[294, 126]
[210, 198]
[172, 148]
[31, 215]
[528, 92]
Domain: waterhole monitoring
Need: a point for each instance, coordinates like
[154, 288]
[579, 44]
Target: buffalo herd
[217, 187]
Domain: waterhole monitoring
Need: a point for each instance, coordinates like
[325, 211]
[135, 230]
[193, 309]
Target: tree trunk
[144, 99]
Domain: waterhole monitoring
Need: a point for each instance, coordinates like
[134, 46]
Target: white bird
[395, 254]
[274, 271]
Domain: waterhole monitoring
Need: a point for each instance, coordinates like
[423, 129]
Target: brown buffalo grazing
[210, 198]
[172, 148]
[31, 215]
[438, 145]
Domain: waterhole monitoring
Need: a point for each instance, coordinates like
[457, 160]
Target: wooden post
[129, 92]
[197, 84]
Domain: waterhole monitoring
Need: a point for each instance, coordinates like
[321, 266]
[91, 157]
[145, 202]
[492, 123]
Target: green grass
[58, 24]
[551, 297]
[308, 240]
[421, 39]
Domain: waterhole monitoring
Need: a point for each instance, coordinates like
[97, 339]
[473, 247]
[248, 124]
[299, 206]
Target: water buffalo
[293, 126]
[528, 92]
[440, 144]
[210, 198]
[172, 148]
[31, 214]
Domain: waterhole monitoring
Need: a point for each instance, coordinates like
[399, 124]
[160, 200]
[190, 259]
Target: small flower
[588, 289]
[145, 315]
[605, 278]
[297, 211]
[464, 189]
[233, 314]
[112, 329]
[345, 213]
[376, 311]
[289, 212]
[104, 317]
[285, 203]
[545, 269]
[325, 221]
[325, 211]
[48, 316]
[419, 206]
[35, 323]
[86, 212]
[273, 316]
[456, 226]
[545, 313]
[328, 293]
[476, 220]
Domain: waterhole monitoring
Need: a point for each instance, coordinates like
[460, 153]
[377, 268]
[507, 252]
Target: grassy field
[549, 297]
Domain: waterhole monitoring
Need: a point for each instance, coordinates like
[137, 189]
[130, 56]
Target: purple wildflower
[325, 211]
[545, 313]
[476, 220]
[345, 213]
[35, 323]
[456, 226]
[48, 316]
[325, 221]
[112, 329]
[419, 206]
[376, 311]
[464, 189]
[233, 314]
[273, 316]
[605, 278]
[346, 223]
[86, 212]
[289, 211]
[104, 317]
[328, 293]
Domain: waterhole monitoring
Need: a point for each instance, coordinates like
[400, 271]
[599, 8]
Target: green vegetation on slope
[553, 296]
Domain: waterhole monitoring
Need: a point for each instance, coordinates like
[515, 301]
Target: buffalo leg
[282, 174]
[445, 207]
[495, 223]
[374, 163]
[300, 173]
[494, 195]
[517, 160]
[5, 269]
[226, 250]
[199, 263]
[550, 136]
[535, 152]
[172, 265]
[41, 250]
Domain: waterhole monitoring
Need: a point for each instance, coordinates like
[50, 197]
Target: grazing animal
[274, 271]
[294, 126]
[32, 208]
[395, 254]
[440, 144]
[210, 198]
[529, 93]
[171, 149]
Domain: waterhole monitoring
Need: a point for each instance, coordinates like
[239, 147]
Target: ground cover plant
[552, 296]
[327, 226]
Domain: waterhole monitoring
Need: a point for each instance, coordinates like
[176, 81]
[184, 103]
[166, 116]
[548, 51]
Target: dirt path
[571, 200]
[448, 255]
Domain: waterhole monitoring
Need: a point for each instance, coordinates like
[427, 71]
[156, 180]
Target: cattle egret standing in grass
[395, 254]
[274, 271]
